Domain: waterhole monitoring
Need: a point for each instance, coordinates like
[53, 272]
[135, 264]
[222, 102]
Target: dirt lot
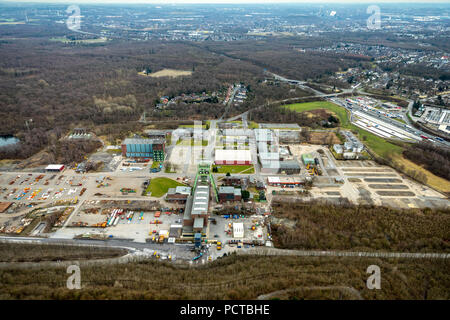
[117, 183]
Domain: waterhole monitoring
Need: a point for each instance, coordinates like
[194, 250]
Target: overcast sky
[229, 1]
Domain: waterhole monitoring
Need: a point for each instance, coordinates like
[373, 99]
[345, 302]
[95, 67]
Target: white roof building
[55, 167]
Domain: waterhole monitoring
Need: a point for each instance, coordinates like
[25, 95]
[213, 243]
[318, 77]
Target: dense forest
[351, 227]
[64, 85]
[433, 158]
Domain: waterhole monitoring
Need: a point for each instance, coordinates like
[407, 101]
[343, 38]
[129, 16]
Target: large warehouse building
[144, 148]
[233, 157]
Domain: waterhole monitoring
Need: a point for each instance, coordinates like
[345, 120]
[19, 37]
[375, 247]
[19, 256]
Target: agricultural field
[159, 186]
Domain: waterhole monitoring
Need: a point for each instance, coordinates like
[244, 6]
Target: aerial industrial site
[224, 152]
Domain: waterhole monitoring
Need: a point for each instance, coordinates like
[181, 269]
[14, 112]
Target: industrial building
[144, 148]
[229, 194]
[233, 157]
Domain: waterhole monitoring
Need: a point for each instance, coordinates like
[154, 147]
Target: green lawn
[377, 144]
[159, 186]
[250, 169]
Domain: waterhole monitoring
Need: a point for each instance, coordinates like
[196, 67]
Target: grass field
[235, 169]
[114, 151]
[167, 73]
[159, 186]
